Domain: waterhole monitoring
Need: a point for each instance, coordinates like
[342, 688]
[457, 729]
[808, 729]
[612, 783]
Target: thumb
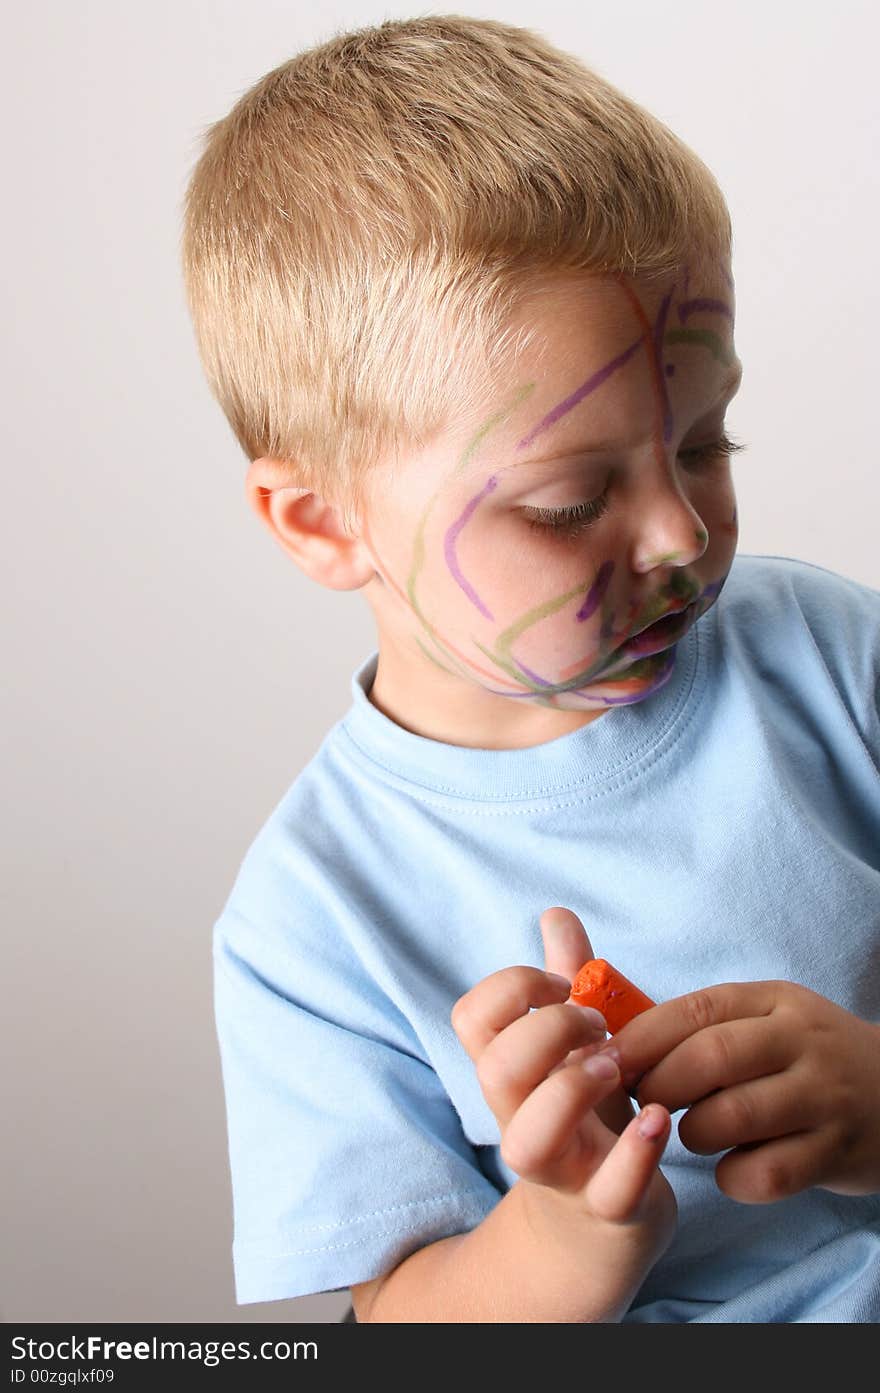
[566, 946]
[566, 949]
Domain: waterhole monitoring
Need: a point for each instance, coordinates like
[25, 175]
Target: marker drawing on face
[667, 559]
[597, 590]
[653, 338]
[703, 305]
[449, 546]
[465, 666]
[708, 338]
[563, 407]
[659, 330]
[502, 655]
[576, 676]
[451, 537]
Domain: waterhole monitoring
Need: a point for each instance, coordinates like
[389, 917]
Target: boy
[469, 311]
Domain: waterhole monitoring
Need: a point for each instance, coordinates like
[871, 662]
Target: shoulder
[789, 581]
[805, 630]
[769, 593]
[286, 914]
[302, 924]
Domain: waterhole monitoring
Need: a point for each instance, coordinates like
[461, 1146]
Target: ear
[309, 529]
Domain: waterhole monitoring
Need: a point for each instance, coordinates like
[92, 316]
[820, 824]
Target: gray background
[168, 670]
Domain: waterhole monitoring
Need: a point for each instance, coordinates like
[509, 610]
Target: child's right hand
[535, 1069]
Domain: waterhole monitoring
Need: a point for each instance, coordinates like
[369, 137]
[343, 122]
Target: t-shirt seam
[250, 1250]
[637, 765]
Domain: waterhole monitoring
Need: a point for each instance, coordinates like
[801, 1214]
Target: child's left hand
[782, 1079]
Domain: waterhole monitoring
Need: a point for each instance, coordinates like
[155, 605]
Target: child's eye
[721, 448]
[577, 518]
[571, 520]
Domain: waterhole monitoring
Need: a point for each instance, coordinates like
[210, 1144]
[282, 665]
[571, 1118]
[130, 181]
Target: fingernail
[601, 1066]
[591, 1016]
[651, 1122]
[610, 1051]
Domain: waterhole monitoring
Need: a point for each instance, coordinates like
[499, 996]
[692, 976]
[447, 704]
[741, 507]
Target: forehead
[601, 362]
[570, 322]
[590, 360]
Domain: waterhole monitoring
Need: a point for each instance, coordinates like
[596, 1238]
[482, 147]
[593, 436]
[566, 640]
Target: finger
[490, 1007]
[566, 948]
[523, 1055]
[566, 945]
[618, 1186]
[719, 1057]
[616, 1110]
[549, 1138]
[775, 1170]
[652, 1035]
[751, 1112]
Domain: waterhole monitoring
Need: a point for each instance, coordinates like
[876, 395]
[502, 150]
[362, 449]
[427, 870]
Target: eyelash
[580, 516]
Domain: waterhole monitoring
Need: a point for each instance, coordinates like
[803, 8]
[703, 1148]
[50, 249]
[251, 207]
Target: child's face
[501, 625]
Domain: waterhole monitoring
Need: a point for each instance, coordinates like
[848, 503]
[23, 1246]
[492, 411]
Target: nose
[667, 530]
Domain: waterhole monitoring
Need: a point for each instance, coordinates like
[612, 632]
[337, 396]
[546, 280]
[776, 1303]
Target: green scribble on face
[663, 560]
[418, 554]
[701, 535]
[680, 585]
[708, 338]
[436, 661]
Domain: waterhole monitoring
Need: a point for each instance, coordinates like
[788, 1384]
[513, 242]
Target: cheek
[522, 569]
[546, 600]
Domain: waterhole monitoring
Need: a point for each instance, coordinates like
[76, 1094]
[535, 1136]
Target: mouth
[663, 633]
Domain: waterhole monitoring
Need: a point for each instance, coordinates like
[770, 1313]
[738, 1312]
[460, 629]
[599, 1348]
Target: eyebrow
[604, 447]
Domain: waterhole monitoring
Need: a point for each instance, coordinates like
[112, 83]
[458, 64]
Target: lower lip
[662, 634]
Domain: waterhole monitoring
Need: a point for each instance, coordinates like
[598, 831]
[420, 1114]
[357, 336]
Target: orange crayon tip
[601, 986]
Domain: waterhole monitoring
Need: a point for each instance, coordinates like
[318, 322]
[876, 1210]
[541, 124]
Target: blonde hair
[360, 228]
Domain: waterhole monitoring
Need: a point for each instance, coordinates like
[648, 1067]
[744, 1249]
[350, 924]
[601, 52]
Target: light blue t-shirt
[727, 828]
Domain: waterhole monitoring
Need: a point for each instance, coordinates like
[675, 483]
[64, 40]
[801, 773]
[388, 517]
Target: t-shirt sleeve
[346, 1154]
[844, 615]
[842, 618]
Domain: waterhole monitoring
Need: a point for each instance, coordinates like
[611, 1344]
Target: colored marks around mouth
[506, 639]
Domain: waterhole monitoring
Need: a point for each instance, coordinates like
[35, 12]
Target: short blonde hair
[360, 228]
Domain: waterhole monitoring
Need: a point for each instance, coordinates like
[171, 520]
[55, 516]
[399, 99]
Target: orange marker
[601, 986]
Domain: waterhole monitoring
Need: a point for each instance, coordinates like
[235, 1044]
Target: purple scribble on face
[659, 331]
[596, 591]
[450, 540]
[704, 305]
[563, 407]
[534, 676]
